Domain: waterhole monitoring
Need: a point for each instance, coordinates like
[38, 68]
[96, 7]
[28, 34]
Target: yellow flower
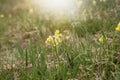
[102, 39]
[49, 40]
[58, 40]
[118, 27]
[58, 35]
[57, 32]
[54, 40]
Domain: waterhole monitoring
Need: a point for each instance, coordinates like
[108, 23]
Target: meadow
[37, 45]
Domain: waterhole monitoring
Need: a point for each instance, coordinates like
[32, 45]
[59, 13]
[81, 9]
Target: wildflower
[58, 36]
[58, 39]
[50, 40]
[118, 27]
[54, 40]
[57, 32]
[102, 39]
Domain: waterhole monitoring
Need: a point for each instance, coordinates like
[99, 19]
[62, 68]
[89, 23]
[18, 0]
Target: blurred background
[23, 19]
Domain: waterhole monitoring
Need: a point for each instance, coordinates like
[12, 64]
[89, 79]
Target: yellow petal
[117, 28]
[57, 32]
[101, 39]
[119, 24]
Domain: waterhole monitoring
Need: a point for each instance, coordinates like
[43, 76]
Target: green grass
[81, 57]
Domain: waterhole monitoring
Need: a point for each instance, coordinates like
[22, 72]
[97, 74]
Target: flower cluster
[54, 40]
[118, 27]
